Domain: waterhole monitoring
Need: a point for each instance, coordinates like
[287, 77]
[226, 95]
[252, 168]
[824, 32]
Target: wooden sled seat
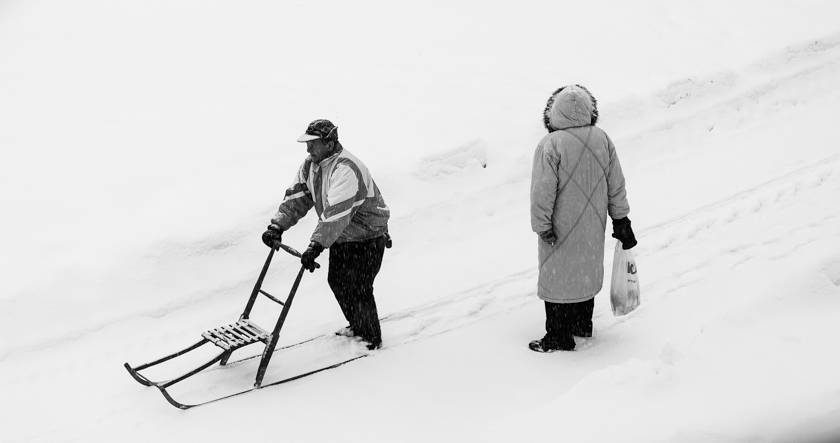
[237, 335]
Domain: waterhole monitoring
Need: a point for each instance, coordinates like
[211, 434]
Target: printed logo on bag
[631, 268]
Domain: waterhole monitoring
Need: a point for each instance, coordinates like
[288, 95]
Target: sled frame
[236, 336]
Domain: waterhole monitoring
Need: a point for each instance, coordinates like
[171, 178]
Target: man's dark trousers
[353, 267]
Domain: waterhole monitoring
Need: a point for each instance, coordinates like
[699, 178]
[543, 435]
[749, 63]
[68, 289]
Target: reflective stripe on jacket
[346, 199]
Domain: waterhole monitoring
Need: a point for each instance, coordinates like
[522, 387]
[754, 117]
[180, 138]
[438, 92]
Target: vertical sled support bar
[277, 245]
[272, 343]
[257, 288]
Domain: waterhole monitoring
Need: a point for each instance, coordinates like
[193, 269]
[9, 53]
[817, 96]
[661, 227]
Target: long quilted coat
[576, 181]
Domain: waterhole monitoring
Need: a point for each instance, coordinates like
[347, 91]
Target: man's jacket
[349, 205]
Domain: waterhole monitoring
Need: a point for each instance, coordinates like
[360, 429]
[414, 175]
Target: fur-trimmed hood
[570, 106]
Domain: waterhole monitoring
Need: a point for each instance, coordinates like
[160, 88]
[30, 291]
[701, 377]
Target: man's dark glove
[271, 235]
[624, 233]
[307, 259]
[549, 237]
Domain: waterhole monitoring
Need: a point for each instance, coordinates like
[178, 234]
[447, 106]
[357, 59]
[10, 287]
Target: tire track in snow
[720, 93]
[688, 101]
[818, 58]
[753, 226]
[672, 237]
[665, 243]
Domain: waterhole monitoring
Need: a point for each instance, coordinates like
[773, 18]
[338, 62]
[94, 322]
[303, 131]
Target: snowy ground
[143, 148]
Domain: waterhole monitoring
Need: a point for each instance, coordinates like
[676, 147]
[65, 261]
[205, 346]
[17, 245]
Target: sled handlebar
[290, 250]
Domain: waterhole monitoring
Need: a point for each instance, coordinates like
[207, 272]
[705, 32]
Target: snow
[145, 147]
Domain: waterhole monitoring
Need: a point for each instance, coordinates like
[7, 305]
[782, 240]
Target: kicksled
[232, 337]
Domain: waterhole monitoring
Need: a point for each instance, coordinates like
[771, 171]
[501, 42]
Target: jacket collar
[330, 158]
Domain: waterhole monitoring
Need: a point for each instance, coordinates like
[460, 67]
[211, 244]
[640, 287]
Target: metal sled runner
[232, 337]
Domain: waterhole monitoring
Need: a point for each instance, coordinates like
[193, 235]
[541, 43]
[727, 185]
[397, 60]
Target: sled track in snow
[673, 238]
[713, 94]
[687, 100]
[819, 57]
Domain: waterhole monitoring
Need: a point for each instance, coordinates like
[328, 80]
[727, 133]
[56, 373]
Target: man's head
[321, 138]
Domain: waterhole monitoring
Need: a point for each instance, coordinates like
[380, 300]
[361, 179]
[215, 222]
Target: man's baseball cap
[320, 128]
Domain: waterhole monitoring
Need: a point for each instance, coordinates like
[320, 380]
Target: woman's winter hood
[570, 106]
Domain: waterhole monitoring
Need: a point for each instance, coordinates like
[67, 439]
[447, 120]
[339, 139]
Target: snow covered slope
[145, 147]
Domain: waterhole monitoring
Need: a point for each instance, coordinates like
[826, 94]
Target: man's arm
[297, 202]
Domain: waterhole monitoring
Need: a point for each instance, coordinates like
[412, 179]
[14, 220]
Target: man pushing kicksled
[352, 224]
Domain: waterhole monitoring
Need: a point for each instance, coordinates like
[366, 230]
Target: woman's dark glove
[549, 237]
[271, 235]
[307, 259]
[624, 233]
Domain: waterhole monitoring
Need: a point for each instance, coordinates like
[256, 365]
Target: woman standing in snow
[576, 181]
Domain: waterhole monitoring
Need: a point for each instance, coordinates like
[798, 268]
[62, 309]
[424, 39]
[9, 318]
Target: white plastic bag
[624, 290]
